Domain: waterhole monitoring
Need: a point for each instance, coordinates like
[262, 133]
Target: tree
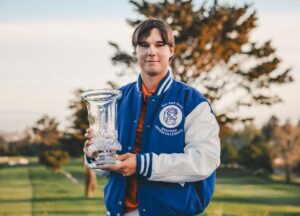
[75, 138]
[45, 131]
[269, 128]
[244, 136]
[23, 145]
[248, 148]
[297, 168]
[214, 53]
[287, 146]
[256, 155]
[3, 146]
[54, 158]
[229, 154]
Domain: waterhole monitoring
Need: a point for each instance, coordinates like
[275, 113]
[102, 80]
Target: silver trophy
[102, 114]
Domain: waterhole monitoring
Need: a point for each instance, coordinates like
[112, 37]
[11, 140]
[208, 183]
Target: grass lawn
[248, 195]
[15, 191]
[35, 190]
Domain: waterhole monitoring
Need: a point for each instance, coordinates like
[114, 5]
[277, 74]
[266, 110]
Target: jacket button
[120, 202]
[118, 214]
[129, 148]
[148, 126]
[143, 210]
[153, 100]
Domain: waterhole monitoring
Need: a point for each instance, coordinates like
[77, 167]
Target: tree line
[272, 148]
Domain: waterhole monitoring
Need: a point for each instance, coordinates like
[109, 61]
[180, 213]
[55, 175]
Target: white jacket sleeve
[201, 154]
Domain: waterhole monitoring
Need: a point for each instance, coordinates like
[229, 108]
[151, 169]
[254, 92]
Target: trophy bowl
[102, 115]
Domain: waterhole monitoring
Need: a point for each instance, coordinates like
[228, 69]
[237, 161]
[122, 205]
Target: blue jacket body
[180, 150]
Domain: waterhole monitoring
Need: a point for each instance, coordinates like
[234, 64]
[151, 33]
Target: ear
[172, 54]
[134, 55]
[172, 50]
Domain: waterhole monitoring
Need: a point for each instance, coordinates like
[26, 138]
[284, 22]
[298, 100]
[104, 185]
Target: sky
[49, 48]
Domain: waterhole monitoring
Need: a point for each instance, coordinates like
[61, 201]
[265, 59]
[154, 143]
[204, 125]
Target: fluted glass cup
[102, 114]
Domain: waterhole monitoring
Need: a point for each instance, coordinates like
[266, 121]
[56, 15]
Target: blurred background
[242, 55]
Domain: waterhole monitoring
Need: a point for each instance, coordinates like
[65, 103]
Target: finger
[109, 168]
[85, 146]
[123, 156]
[126, 173]
[86, 152]
[89, 131]
[88, 136]
[88, 143]
[116, 168]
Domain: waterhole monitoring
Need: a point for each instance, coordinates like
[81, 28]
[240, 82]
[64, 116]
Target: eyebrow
[157, 42]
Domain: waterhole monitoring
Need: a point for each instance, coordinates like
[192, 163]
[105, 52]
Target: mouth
[151, 61]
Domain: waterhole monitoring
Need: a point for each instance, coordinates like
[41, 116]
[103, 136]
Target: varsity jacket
[180, 150]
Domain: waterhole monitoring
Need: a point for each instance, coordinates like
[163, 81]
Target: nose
[151, 50]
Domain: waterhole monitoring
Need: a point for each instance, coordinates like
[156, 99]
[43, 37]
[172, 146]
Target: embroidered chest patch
[170, 117]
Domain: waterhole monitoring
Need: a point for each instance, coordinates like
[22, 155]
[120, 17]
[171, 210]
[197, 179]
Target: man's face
[153, 55]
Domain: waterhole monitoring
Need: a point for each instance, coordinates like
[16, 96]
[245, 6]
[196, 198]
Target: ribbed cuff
[144, 164]
[87, 159]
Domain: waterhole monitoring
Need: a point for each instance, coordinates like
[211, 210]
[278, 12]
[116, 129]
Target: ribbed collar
[163, 85]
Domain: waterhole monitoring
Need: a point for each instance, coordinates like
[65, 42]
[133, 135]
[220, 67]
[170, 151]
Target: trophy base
[103, 160]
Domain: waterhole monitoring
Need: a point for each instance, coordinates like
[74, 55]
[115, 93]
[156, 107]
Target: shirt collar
[146, 92]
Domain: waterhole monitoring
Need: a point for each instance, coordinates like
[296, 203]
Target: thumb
[122, 157]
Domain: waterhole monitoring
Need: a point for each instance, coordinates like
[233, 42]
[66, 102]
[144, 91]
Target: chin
[152, 73]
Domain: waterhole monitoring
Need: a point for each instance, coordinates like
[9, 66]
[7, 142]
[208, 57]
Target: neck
[152, 81]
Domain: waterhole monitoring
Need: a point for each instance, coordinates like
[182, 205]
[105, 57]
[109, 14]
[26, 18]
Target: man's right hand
[88, 135]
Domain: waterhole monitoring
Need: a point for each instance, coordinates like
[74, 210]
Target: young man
[169, 137]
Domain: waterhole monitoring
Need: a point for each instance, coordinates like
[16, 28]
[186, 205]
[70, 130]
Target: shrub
[54, 158]
[255, 156]
[229, 154]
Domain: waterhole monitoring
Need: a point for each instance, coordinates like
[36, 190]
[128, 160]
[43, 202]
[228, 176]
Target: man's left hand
[126, 165]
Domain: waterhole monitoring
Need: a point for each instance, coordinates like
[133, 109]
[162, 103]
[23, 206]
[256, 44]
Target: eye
[143, 44]
[160, 44]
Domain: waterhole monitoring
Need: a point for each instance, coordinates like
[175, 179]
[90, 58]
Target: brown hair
[144, 28]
